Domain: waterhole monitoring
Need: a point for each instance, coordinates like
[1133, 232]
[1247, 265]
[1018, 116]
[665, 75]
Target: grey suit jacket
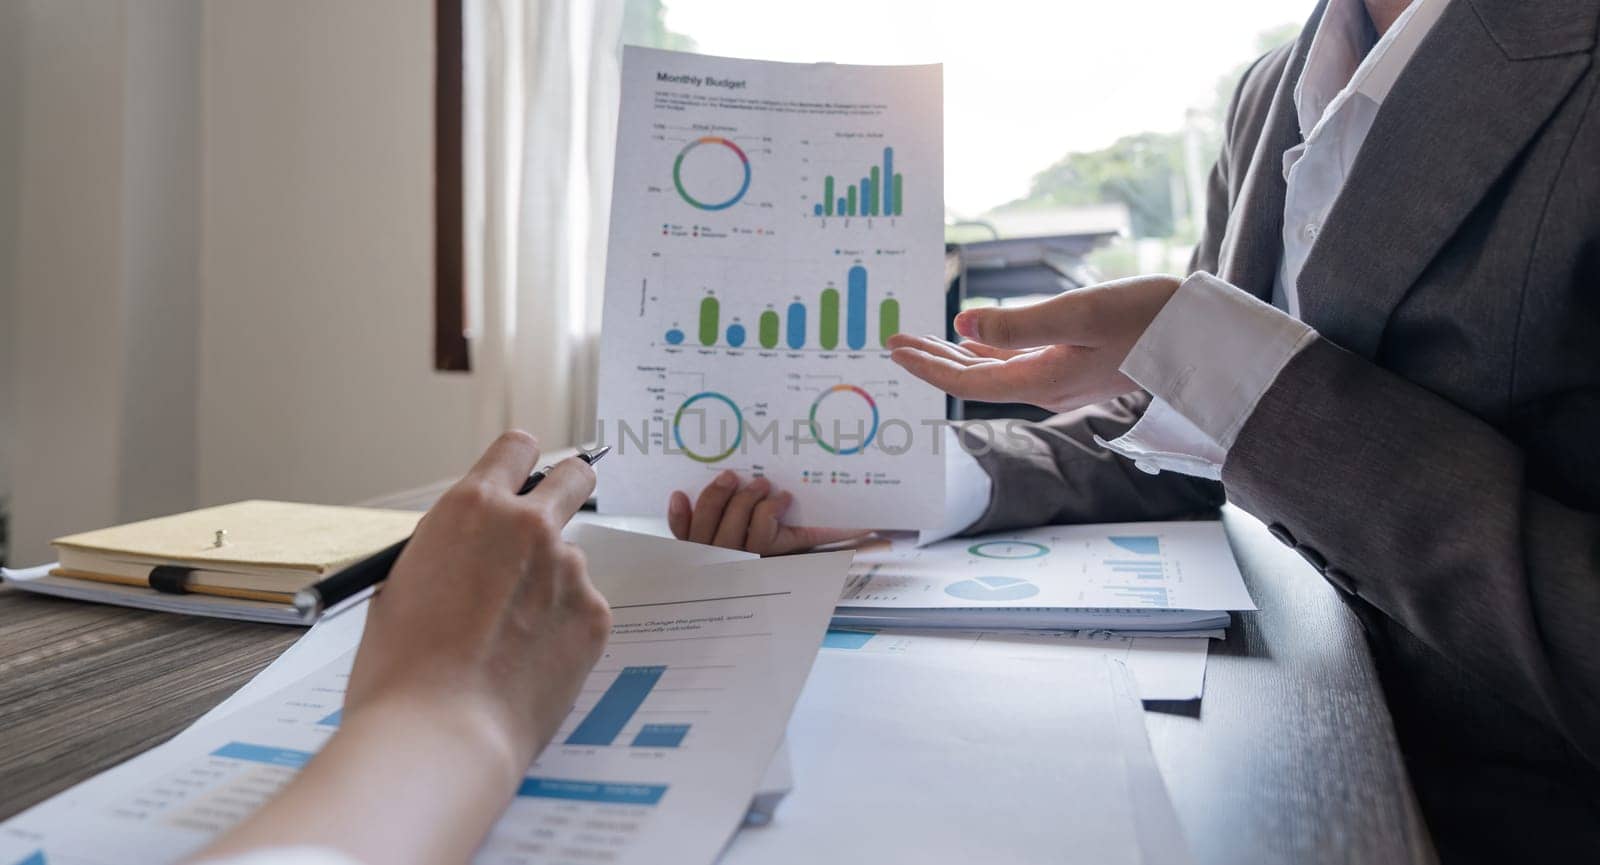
[1436, 454]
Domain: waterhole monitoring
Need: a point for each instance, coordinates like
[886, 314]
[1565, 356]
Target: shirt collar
[1389, 57]
[1343, 37]
[1339, 62]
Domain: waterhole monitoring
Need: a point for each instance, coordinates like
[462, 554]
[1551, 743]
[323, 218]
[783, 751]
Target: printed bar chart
[769, 329]
[1140, 596]
[1143, 545]
[660, 735]
[888, 320]
[616, 707]
[828, 321]
[1146, 564]
[856, 308]
[876, 194]
[708, 321]
[797, 325]
[792, 326]
[1147, 570]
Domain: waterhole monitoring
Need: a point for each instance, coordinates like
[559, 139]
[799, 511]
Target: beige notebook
[255, 550]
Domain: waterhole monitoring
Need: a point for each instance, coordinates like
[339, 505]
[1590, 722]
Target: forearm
[1055, 472]
[396, 784]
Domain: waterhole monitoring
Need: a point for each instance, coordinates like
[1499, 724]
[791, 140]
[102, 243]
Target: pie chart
[1003, 549]
[992, 589]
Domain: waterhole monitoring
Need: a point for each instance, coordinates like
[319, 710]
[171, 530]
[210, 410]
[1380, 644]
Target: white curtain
[541, 119]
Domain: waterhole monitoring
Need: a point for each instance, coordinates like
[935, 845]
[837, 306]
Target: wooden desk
[1290, 758]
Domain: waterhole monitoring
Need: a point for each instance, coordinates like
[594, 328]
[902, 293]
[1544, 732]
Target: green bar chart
[828, 320]
[768, 329]
[888, 320]
[709, 309]
[877, 193]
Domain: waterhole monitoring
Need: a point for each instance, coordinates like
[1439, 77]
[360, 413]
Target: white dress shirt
[1205, 388]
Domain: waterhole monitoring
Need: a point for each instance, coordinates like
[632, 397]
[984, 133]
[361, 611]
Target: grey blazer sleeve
[1425, 512]
[1053, 472]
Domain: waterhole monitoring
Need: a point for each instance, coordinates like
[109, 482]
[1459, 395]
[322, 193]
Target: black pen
[311, 601]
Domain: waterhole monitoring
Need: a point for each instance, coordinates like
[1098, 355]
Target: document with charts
[772, 225]
[1137, 566]
[672, 733]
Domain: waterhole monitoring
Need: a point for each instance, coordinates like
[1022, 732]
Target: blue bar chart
[797, 326]
[1145, 567]
[856, 308]
[1142, 545]
[660, 735]
[616, 707]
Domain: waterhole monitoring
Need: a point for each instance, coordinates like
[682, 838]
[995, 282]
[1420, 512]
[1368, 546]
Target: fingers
[566, 486]
[989, 381]
[1061, 320]
[507, 462]
[709, 507]
[941, 348]
[989, 351]
[736, 517]
[762, 536]
[679, 514]
[966, 352]
[804, 538]
[770, 537]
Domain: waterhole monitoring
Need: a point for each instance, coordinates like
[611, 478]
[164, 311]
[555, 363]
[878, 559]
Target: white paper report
[772, 225]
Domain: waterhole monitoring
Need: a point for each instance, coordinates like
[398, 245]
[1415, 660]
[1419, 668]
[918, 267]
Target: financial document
[772, 225]
[1154, 566]
[658, 760]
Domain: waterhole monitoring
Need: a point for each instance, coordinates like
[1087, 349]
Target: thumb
[1060, 320]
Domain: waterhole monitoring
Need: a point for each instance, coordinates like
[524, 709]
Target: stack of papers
[1166, 579]
[949, 746]
[669, 742]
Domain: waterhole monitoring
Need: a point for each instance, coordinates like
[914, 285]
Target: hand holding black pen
[339, 587]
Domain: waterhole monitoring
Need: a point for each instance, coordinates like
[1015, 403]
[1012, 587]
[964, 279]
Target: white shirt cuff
[1206, 358]
[1164, 440]
[966, 491]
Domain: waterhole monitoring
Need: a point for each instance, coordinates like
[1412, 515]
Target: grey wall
[161, 258]
[216, 238]
[104, 302]
[11, 38]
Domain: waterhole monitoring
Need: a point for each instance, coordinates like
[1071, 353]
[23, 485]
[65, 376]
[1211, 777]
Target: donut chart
[1008, 550]
[719, 199]
[841, 392]
[709, 455]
